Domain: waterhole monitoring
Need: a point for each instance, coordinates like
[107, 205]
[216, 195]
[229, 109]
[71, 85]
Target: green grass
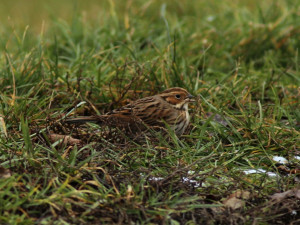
[240, 58]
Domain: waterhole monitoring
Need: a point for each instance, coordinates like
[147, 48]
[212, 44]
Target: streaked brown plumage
[169, 107]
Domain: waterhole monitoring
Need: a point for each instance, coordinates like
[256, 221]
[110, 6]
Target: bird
[166, 109]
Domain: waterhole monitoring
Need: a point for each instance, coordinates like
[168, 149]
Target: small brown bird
[169, 107]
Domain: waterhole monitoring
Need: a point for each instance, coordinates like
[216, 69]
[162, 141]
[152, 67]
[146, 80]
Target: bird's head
[177, 97]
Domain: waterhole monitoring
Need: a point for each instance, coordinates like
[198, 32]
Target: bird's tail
[83, 119]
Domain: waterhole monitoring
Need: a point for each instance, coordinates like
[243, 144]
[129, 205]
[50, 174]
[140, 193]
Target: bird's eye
[177, 96]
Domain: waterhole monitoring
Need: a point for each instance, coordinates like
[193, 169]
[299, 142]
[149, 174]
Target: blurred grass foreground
[237, 164]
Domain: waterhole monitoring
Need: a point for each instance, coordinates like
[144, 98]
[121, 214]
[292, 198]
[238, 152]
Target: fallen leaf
[286, 194]
[241, 194]
[66, 139]
[234, 203]
[3, 126]
[4, 173]
[236, 199]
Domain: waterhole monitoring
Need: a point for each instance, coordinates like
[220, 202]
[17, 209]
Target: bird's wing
[149, 110]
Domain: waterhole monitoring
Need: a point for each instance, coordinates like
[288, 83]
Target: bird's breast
[182, 122]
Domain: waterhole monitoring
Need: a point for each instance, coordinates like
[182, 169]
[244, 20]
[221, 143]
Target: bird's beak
[190, 98]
